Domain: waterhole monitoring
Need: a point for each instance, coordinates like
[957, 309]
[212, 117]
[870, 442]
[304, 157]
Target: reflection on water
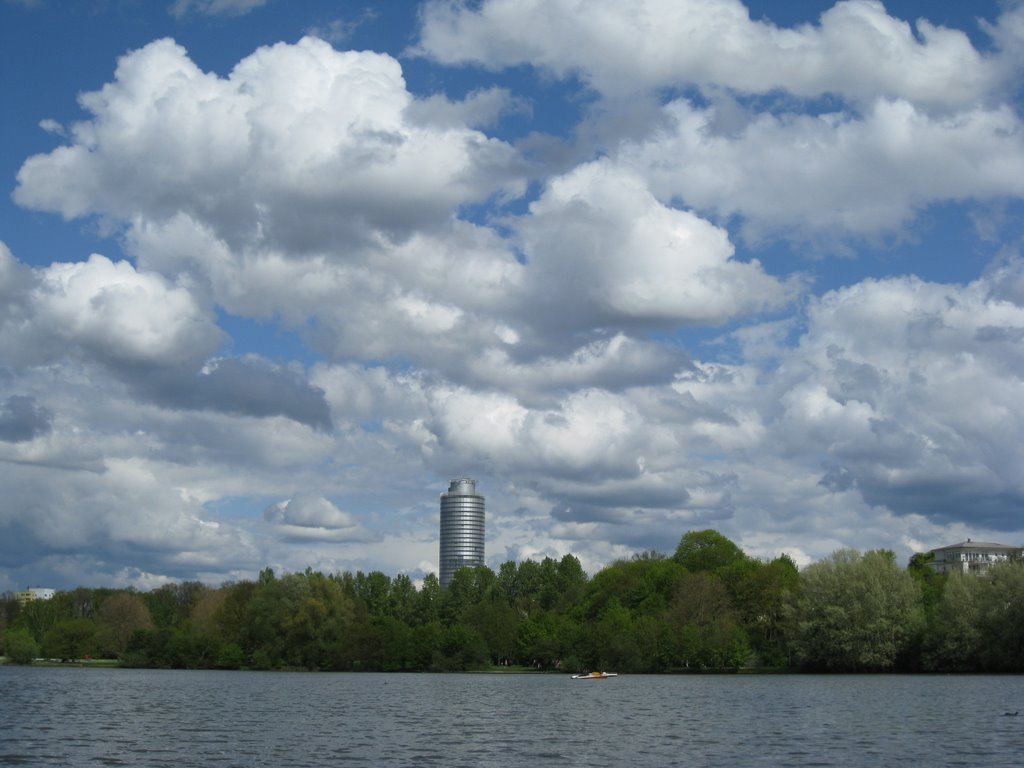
[79, 717]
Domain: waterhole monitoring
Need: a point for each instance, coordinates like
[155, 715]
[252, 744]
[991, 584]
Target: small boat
[595, 676]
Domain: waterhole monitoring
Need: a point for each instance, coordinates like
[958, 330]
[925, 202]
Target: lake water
[112, 717]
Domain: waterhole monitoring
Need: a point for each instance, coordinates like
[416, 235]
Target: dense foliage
[706, 607]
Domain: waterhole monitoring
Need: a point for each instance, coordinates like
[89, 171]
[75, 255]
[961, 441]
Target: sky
[272, 273]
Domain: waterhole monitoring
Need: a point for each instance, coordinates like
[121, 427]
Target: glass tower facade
[462, 528]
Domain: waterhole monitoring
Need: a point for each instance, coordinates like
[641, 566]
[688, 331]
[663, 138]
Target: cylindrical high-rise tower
[462, 528]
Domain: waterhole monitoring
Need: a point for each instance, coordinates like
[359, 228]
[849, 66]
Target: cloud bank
[606, 340]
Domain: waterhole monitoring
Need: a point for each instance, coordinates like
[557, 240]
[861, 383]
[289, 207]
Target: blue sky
[272, 273]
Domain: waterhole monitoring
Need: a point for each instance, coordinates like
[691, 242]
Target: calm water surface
[97, 717]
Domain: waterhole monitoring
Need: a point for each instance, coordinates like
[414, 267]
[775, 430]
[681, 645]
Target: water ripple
[85, 717]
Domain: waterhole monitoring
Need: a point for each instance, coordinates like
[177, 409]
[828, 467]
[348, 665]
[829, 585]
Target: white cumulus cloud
[832, 174]
[856, 49]
[310, 517]
[293, 129]
[602, 249]
[109, 311]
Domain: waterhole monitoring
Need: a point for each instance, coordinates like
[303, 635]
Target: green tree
[612, 644]
[506, 582]
[206, 609]
[402, 599]
[528, 585]
[428, 600]
[930, 580]
[171, 604]
[231, 656]
[39, 616]
[654, 643]
[168, 648]
[462, 648]
[1003, 618]
[761, 594]
[571, 582]
[707, 632]
[857, 612]
[261, 627]
[707, 550]
[394, 641]
[233, 613]
[977, 624]
[549, 588]
[81, 602]
[374, 590]
[313, 616]
[498, 624]
[70, 639]
[19, 646]
[644, 586]
[119, 616]
[545, 639]
[955, 631]
[468, 587]
[425, 645]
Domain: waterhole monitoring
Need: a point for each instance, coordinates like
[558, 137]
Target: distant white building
[34, 593]
[972, 556]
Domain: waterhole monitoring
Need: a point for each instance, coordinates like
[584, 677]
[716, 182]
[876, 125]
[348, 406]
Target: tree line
[708, 606]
